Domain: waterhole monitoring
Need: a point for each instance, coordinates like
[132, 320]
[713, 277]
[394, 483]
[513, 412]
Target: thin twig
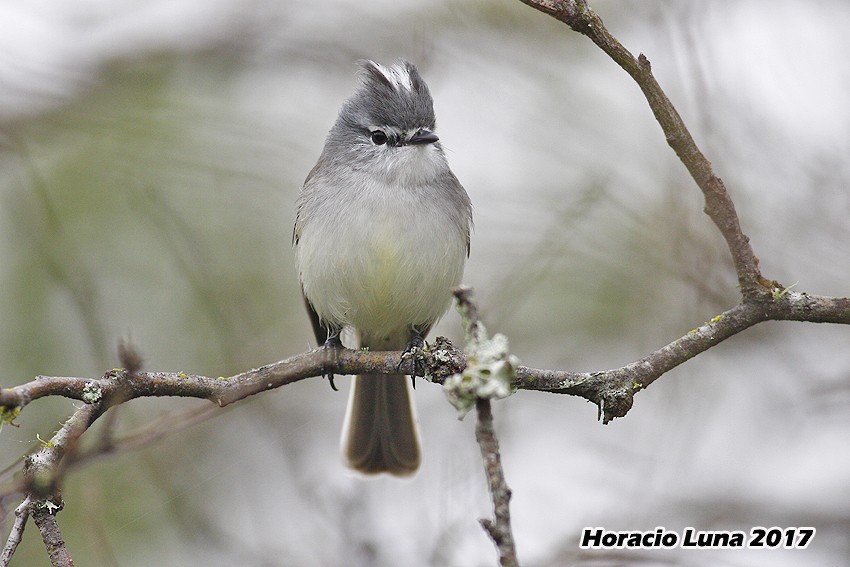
[468, 308]
[22, 514]
[43, 471]
[499, 529]
[612, 390]
[718, 204]
[145, 435]
[761, 299]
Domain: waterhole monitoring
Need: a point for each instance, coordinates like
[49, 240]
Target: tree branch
[44, 516]
[718, 204]
[144, 435]
[43, 471]
[119, 385]
[22, 514]
[762, 299]
[500, 530]
[611, 390]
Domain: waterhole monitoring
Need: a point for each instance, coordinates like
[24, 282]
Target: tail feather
[380, 433]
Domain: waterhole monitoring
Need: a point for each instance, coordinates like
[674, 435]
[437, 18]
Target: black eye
[379, 138]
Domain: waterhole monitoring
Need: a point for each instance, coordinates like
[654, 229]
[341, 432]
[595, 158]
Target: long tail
[379, 434]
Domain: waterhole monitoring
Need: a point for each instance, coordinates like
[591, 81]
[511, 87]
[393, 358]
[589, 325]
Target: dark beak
[423, 137]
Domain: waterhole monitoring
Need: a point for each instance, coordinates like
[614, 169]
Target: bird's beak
[423, 137]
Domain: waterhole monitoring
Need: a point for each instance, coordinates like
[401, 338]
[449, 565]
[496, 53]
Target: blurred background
[150, 156]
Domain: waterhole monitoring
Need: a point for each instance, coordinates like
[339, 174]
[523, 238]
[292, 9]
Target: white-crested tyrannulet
[381, 236]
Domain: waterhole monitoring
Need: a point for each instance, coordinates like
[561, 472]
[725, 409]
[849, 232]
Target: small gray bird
[381, 236]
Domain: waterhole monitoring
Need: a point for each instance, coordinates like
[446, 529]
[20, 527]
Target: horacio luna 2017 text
[690, 538]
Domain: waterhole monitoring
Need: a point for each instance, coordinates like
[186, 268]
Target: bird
[381, 236]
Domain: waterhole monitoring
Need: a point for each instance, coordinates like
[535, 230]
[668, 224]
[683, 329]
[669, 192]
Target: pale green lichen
[441, 356]
[8, 414]
[92, 393]
[490, 373]
[45, 444]
[778, 294]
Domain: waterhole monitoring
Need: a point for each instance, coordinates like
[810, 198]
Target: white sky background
[590, 250]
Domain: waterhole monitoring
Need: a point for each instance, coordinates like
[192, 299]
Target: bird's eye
[379, 138]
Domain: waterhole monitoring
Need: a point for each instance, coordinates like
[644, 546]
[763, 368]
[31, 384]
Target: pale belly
[384, 271]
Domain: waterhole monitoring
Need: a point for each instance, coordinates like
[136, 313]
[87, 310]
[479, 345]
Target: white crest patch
[397, 75]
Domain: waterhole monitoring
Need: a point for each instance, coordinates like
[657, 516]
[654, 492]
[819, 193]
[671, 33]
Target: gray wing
[321, 331]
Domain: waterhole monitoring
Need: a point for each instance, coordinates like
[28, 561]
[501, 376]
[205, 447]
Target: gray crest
[394, 96]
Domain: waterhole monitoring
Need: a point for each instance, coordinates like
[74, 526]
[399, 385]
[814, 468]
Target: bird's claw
[413, 351]
[335, 343]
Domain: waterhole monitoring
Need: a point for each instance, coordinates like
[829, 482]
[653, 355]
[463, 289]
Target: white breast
[381, 256]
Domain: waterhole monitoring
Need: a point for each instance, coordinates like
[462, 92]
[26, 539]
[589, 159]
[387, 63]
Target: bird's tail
[379, 434]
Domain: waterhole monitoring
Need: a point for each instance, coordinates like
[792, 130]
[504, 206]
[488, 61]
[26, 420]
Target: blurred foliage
[122, 215]
[126, 206]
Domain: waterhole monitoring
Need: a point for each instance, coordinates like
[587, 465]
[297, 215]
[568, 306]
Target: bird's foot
[415, 352]
[334, 343]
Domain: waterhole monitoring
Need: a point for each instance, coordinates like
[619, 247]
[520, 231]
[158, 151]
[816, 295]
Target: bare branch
[468, 308]
[42, 475]
[762, 299]
[44, 516]
[610, 389]
[119, 385]
[144, 435]
[22, 514]
[43, 469]
[718, 205]
[613, 390]
[500, 530]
